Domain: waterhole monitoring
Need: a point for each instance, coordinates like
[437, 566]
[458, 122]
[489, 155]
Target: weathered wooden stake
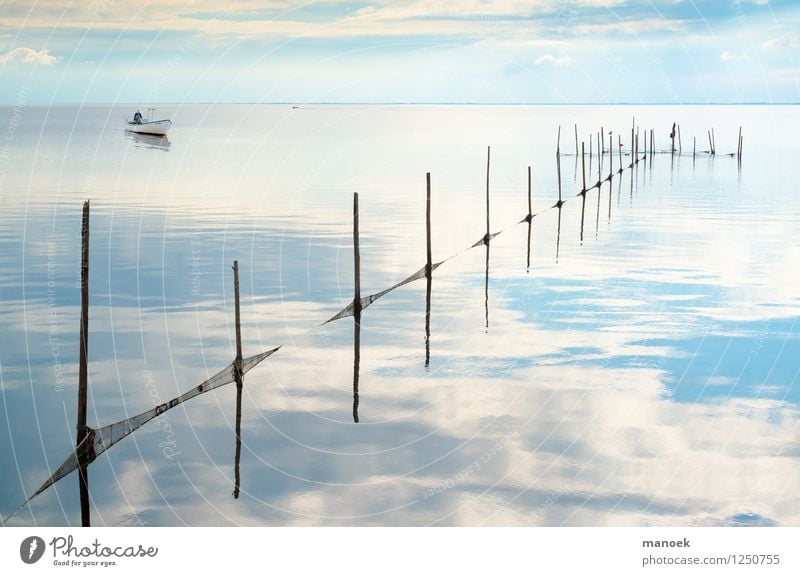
[429, 271]
[680, 145]
[558, 172]
[739, 144]
[429, 265]
[710, 145]
[83, 367]
[488, 159]
[583, 170]
[633, 149]
[713, 142]
[644, 140]
[530, 206]
[356, 308]
[619, 147]
[558, 142]
[610, 156]
[576, 139]
[356, 258]
[239, 378]
[599, 160]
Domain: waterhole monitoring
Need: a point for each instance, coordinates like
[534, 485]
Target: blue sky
[507, 51]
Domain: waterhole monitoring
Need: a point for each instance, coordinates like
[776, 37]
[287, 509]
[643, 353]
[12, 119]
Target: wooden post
[619, 147]
[739, 144]
[637, 144]
[599, 160]
[632, 148]
[610, 156]
[558, 172]
[83, 367]
[356, 308]
[680, 145]
[576, 139]
[429, 265]
[488, 159]
[238, 376]
[356, 258]
[694, 146]
[583, 170]
[644, 140]
[558, 142]
[429, 271]
[710, 145]
[741, 141]
[530, 206]
[713, 142]
[652, 142]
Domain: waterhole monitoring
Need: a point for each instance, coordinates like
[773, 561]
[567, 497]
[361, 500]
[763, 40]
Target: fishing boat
[141, 125]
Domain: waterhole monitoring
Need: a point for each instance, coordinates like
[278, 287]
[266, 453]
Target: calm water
[642, 371]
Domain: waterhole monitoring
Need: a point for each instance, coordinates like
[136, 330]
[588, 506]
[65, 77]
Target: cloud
[28, 56]
[782, 42]
[728, 56]
[551, 60]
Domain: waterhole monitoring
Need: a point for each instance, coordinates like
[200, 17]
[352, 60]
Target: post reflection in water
[558, 233]
[528, 263]
[238, 456]
[428, 320]
[583, 213]
[486, 287]
[356, 360]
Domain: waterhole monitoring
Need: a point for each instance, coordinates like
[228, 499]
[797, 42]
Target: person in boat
[137, 118]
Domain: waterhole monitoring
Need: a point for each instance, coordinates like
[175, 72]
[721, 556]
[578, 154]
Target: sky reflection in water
[647, 375]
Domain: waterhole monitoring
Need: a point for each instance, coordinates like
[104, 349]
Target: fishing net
[349, 310]
[99, 440]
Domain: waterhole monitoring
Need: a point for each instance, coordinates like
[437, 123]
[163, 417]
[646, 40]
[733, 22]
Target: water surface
[637, 368]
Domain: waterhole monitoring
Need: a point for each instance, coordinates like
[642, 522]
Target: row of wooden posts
[357, 306]
[674, 134]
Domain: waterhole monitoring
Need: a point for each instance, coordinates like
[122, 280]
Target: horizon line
[401, 103]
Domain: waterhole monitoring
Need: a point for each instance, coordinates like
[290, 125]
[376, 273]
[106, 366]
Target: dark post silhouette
[239, 378]
[530, 207]
[356, 258]
[583, 171]
[488, 161]
[356, 308]
[576, 139]
[83, 367]
[429, 278]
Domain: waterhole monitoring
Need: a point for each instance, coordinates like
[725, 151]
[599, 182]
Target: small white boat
[141, 125]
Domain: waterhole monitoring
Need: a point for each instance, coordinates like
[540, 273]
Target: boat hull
[157, 127]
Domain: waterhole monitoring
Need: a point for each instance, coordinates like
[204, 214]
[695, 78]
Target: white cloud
[551, 60]
[28, 56]
[782, 42]
[728, 56]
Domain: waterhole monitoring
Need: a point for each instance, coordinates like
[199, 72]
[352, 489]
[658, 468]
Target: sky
[426, 51]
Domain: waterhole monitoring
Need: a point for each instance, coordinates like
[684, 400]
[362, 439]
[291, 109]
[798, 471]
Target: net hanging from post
[99, 440]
